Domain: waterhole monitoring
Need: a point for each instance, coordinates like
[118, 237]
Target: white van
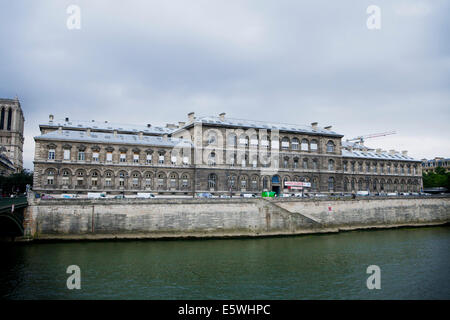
[145, 195]
[95, 195]
[362, 193]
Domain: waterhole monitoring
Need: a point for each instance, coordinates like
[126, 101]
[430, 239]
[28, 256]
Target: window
[123, 157]
[305, 163]
[315, 164]
[374, 168]
[285, 143]
[211, 138]
[353, 167]
[149, 158]
[212, 181]
[243, 141]
[265, 182]
[255, 163]
[360, 167]
[136, 158]
[295, 144]
[81, 156]
[305, 145]
[286, 163]
[160, 183]
[330, 165]
[66, 154]
[255, 183]
[243, 183]
[185, 160]
[367, 167]
[161, 159]
[212, 159]
[388, 167]
[295, 163]
[148, 181]
[382, 168]
[109, 157]
[313, 145]
[330, 146]
[173, 159]
[330, 184]
[345, 166]
[108, 182]
[50, 178]
[173, 180]
[95, 156]
[184, 182]
[51, 154]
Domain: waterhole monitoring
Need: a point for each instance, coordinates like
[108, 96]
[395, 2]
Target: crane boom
[373, 135]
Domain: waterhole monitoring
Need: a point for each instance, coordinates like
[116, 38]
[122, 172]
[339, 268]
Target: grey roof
[106, 126]
[101, 137]
[232, 122]
[376, 156]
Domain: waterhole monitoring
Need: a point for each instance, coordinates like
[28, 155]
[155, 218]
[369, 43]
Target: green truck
[268, 194]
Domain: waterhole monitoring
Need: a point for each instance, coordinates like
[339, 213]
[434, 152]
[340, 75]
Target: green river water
[414, 263]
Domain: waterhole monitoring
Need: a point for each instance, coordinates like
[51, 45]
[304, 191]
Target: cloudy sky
[284, 61]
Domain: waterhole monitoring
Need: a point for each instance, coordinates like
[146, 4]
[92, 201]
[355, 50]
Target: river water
[414, 264]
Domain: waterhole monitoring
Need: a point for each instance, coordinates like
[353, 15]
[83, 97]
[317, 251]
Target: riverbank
[84, 219]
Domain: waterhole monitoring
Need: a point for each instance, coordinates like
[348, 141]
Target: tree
[16, 183]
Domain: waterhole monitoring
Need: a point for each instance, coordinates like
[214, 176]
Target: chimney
[191, 116]
[328, 128]
[149, 125]
[314, 125]
[222, 116]
[88, 132]
[392, 152]
[170, 126]
[165, 136]
[115, 133]
[141, 135]
[67, 119]
[181, 124]
[378, 151]
[59, 130]
[50, 118]
[405, 152]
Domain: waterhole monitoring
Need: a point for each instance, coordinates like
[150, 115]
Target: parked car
[145, 195]
[224, 196]
[47, 196]
[119, 196]
[247, 195]
[204, 195]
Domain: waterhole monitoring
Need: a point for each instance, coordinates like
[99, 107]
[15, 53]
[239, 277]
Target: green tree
[16, 183]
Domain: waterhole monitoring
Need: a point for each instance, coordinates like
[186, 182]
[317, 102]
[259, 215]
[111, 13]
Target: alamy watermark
[374, 280]
[74, 280]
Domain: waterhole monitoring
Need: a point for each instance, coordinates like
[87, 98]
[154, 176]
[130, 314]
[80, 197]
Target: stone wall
[174, 218]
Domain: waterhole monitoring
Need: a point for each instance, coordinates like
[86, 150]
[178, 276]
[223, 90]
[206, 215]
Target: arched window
[212, 159]
[285, 143]
[305, 163]
[330, 165]
[212, 180]
[313, 145]
[330, 146]
[173, 180]
[286, 162]
[353, 184]
[232, 140]
[360, 184]
[295, 163]
[275, 179]
[295, 144]
[330, 184]
[305, 145]
[2, 119]
[375, 183]
[367, 167]
[315, 164]
[243, 180]
[9, 119]
[254, 182]
[265, 182]
[345, 184]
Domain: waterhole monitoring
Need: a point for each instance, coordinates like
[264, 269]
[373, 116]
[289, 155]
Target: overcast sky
[285, 61]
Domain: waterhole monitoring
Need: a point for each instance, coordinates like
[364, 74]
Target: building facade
[212, 154]
[430, 165]
[11, 133]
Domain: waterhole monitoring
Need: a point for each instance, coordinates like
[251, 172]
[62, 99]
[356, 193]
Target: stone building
[11, 133]
[213, 154]
[430, 165]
